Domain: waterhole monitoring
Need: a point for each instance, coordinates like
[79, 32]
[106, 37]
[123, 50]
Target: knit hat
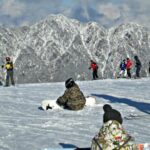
[69, 83]
[107, 107]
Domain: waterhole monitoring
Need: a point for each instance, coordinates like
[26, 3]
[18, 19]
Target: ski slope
[24, 126]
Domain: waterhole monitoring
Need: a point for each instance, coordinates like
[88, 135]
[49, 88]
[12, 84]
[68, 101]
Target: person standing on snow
[73, 98]
[122, 68]
[138, 66]
[112, 135]
[149, 68]
[128, 67]
[94, 67]
[9, 74]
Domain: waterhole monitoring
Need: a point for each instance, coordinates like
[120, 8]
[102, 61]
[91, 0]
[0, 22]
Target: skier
[94, 67]
[112, 136]
[137, 66]
[149, 68]
[9, 68]
[128, 66]
[73, 98]
[122, 68]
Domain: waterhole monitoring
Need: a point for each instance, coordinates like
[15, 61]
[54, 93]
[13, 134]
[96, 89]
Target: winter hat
[136, 57]
[69, 83]
[7, 58]
[107, 108]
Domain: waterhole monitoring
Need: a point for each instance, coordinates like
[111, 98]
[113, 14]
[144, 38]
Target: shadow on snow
[144, 107]
[66, 145]
[72, 147]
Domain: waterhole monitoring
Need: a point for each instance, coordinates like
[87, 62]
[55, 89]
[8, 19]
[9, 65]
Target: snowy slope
[23, 126]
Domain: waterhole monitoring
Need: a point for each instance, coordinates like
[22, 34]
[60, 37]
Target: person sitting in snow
[73, 98]
[112, 136]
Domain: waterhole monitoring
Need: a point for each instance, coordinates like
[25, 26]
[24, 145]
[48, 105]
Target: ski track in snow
[24, 126]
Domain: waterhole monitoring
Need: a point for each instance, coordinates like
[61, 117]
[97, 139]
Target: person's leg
[96, 73]
[12, 78]
[120, 74]
[128, 73]
[94, 76]
[7, 79]
[138, 72]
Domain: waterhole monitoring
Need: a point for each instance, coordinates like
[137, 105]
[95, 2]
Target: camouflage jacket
[72, 99]
[112, 136]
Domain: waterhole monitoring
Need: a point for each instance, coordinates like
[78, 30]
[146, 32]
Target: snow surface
[24, 126]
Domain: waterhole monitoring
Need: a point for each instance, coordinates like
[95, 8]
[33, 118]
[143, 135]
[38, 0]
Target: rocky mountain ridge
[57, 48]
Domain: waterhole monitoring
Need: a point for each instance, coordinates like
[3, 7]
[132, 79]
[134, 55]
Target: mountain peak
[57, 48]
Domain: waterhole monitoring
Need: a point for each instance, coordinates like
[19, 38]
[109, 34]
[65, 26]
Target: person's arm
[62, 99]
[90, 67]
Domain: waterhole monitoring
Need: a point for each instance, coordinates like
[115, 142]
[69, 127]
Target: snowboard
[51, 104]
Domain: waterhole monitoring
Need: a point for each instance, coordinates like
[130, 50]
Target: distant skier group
[125, 70]
[126, 65]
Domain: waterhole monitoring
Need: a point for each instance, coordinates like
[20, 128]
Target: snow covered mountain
[58, 47]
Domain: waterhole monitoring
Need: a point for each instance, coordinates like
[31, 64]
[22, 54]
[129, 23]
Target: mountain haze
[58, 47]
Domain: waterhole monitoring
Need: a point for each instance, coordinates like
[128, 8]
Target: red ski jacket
[129, 64]
[93, 66]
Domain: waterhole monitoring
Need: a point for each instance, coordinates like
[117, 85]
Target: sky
[106, 12]
[25, 126]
